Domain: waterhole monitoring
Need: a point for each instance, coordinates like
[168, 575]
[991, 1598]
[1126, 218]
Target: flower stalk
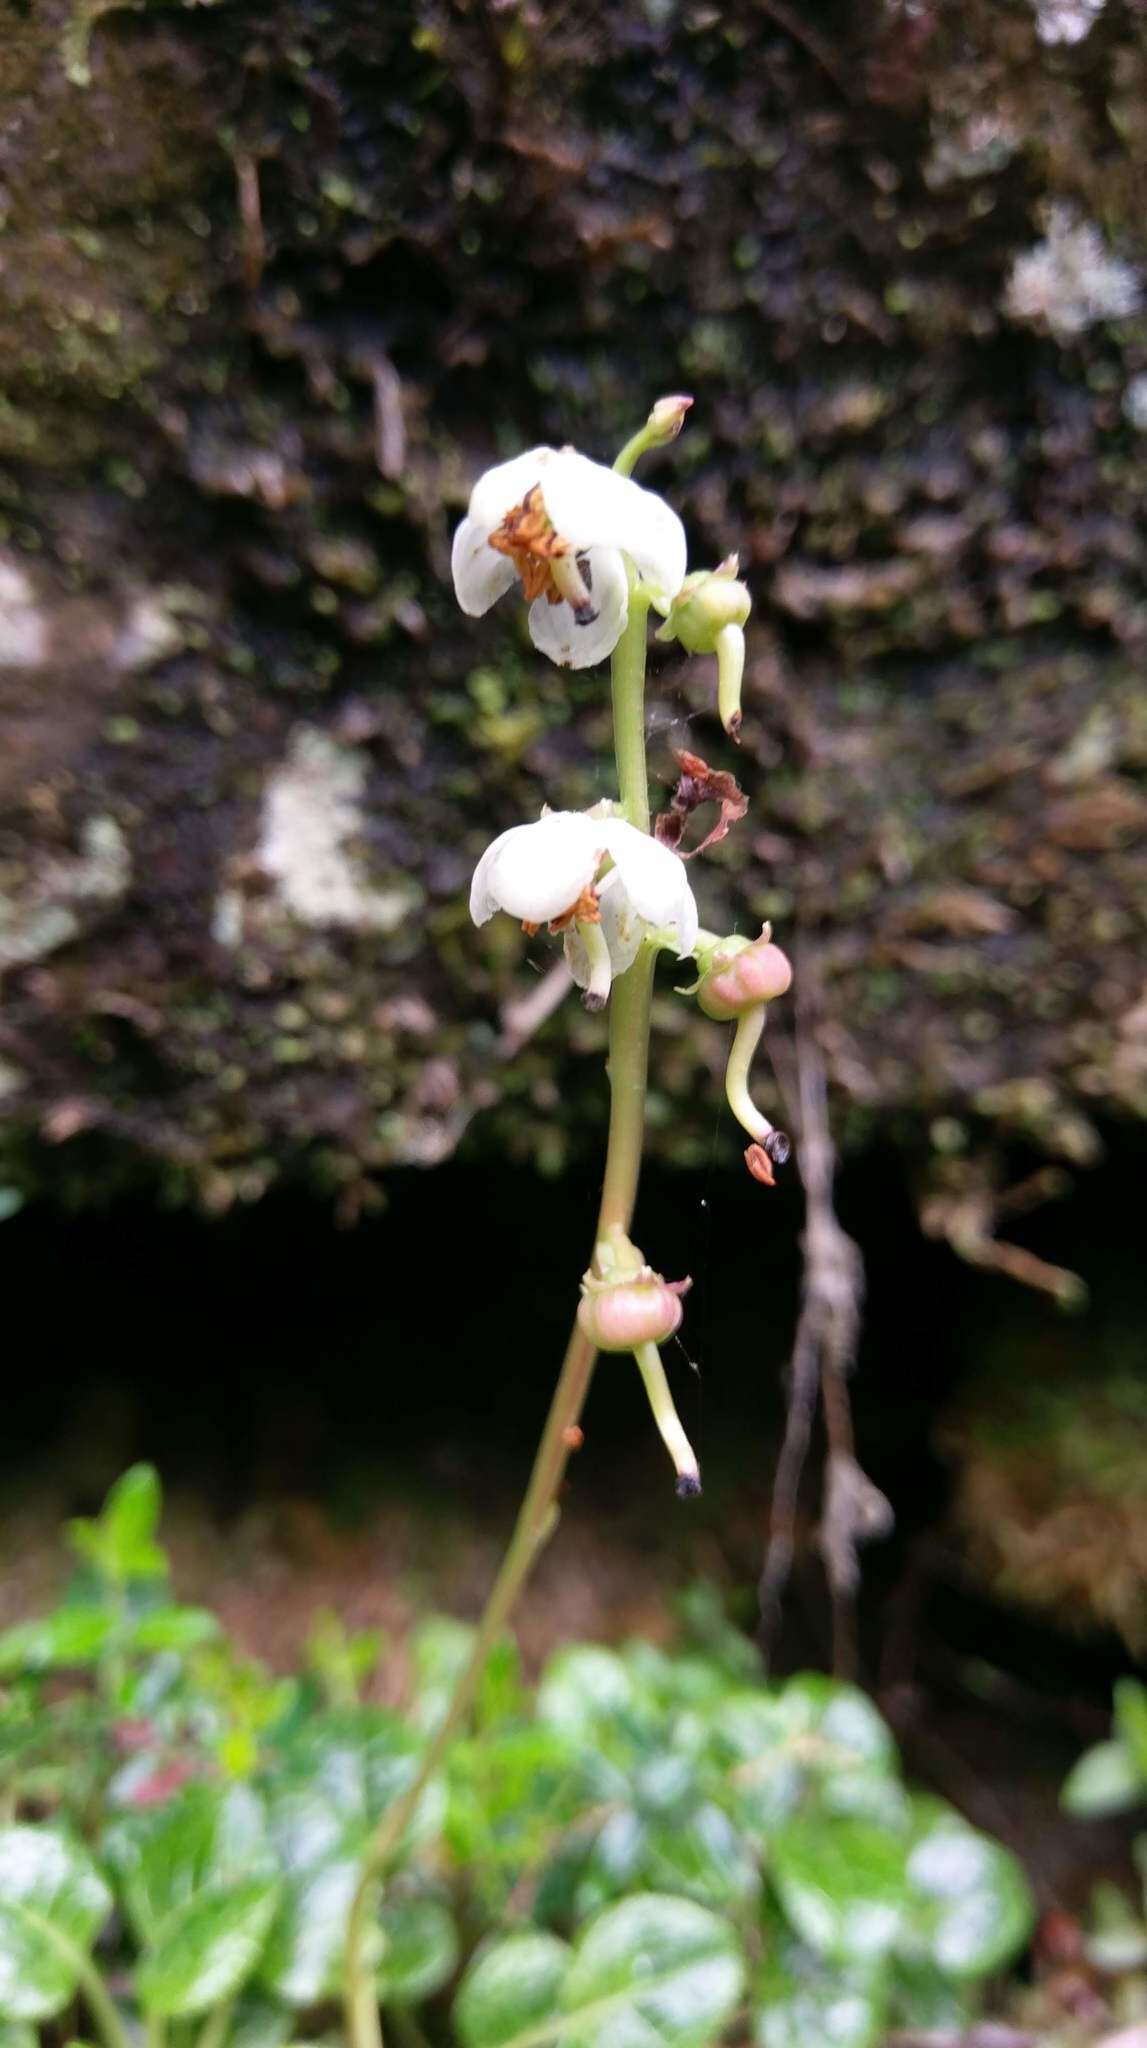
[746, 1039]
[591, 553]
[668, 1421]
[629, 1019]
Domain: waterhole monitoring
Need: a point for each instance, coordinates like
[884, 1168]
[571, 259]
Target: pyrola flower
[619, 1315]
[597, 879]
[569, 530]
[740, 973]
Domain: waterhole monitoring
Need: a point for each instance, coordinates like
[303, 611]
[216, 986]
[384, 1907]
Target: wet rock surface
[277, 281]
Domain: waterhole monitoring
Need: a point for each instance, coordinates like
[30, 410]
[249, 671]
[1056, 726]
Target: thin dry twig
[526, 1014]
[251, 219]
[985, 2034]
[824, 1351]
[815, 44]
[389, 422]
[966, 1209]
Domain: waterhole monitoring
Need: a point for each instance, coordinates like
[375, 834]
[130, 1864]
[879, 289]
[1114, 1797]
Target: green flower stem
[745, 1042]
[629, 1008]
[629, 1013]
[638, 445]
[109, 2026]
[215, 2027]
[664, 424]
[629, 710]
[536, 1520]
[667, 1419]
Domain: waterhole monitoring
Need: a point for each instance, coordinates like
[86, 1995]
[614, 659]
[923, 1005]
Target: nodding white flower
[597, 879]
[566, 528]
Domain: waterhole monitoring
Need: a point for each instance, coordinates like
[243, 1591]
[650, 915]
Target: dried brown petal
[699, 784]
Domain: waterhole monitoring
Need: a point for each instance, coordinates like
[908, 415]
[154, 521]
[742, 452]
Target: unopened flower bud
[668, 417]
[708, 617]
[740, 973]
[664, 424]
[621, 1315]
[707, 601]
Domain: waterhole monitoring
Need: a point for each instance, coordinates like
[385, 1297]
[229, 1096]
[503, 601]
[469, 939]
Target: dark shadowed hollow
[295, 1383]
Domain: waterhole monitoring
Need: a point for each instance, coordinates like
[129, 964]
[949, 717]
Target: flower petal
[538, 871]
[500, 489]
[621, 923]
[555, 631]
[592, 506]
[480, 573]
[654, 879]
[621, 928]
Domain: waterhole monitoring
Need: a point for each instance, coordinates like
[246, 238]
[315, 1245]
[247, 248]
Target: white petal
[654, 879]
[622, 929]
[480, 573]
[537, 871]
[501, 489]
[622, 924]
[555, 631]
[591, 506]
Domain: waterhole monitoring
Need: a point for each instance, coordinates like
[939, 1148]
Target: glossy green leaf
[72, 1636]
[207, 1948]
[120, 1541]
[510, 1988]
[341, 1773]
[340, 1660]
[173, 1628]
[764, 1751]
[259, 2022]
[438, 1651]
[506, 1790]
[208, 1836]
[924, 2001]
[18, 2034]
[302, 1961]
[1105, 1780]
[1131, 1724]
[653, 1969]
[970, 1910]
[802, 2002]
[53, 1903]
[702, 1856]
[581, 1688]
[842, 1884]
[838, 1725]
[419, 1950]
[682, 1680]
[1116, 1937]
[754, 1765]
[704, 1614]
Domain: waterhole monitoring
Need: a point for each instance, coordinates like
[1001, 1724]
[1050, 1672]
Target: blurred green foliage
[644, 1844]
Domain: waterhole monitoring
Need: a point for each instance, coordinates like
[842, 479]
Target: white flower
[566, 526]
[1066, 21]
[550, 873]
[1071, 280]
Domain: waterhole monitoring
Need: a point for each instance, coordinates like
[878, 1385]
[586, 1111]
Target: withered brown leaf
[699, 784]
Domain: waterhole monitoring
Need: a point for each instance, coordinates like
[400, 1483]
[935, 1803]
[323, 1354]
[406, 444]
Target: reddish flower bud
[623, 1314]
[742, 973]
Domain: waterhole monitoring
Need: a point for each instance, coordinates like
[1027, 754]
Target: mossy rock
[278, 280]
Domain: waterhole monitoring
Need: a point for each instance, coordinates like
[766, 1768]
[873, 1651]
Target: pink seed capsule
[631, 1312]
[755, 974]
